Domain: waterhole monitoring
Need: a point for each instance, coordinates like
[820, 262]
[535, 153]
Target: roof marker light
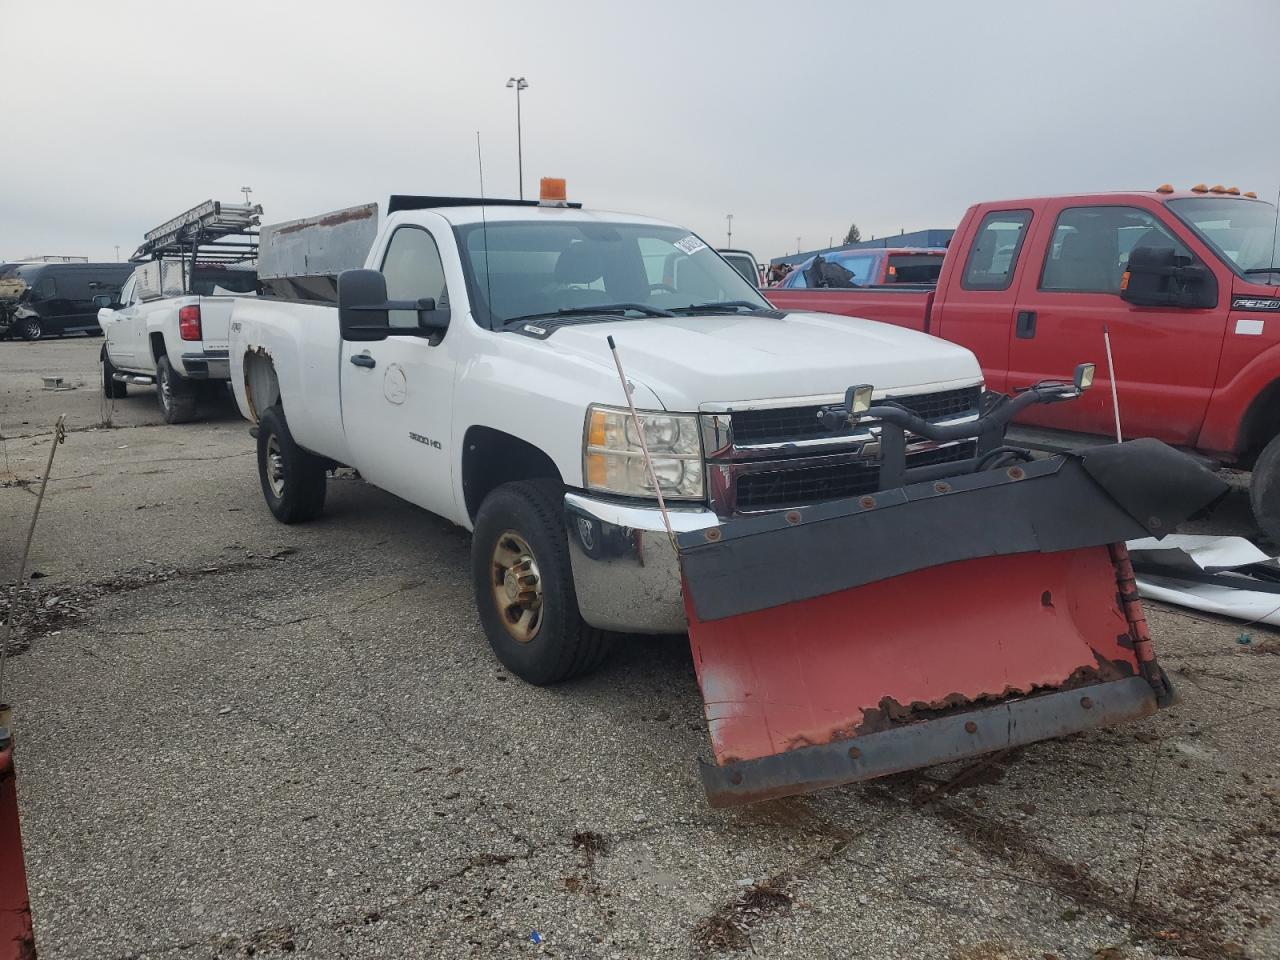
[1234, 191]
[1165, 188]
[1199, 188]
[1251, 195]
[552, 192]
[1217, 188]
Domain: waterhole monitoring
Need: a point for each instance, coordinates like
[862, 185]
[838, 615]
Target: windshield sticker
[689, 245]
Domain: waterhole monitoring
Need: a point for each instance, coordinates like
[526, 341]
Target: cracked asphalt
[236, 738]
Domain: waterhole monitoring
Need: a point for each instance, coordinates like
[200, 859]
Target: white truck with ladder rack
[169, 324]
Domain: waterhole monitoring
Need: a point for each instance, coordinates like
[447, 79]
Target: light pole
[729, 218]
[246, 191]
[519, 83]
[117, 253]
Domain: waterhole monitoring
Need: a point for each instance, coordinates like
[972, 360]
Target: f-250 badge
[427, 440]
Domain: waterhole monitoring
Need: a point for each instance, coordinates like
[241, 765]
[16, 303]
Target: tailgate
[900, 306]
[215, 322]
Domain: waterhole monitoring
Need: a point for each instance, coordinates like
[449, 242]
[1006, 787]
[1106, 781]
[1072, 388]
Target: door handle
[1025, 328]
[363, 360]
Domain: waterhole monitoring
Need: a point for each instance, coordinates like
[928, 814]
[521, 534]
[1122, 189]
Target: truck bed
[899, 304]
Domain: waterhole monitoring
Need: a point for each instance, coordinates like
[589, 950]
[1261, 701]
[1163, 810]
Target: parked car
[171, 333]
[1186, 283]
[744, 261]
[867, 268]
[52, 299]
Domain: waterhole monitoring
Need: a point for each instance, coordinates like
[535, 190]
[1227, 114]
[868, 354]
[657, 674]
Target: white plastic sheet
[1181, 553]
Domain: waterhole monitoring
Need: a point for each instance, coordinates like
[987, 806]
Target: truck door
[975, 309]
[116, 325]
[397, 393]
[1166, 358]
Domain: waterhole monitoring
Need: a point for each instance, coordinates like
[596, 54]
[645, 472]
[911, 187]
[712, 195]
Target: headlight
[613, 461]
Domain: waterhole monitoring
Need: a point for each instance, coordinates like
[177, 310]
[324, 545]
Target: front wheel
[32, 329]
[524, 586]
[112, 388]
[1264, 490]
[293, 480]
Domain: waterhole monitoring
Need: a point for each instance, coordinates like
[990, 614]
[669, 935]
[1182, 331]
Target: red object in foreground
[17, 939]
[189, 322]
[950, 641]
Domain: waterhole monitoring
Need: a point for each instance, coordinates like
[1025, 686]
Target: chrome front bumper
[625, 569]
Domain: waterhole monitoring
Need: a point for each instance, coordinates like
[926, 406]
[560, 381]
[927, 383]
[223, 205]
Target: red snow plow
[960, 608]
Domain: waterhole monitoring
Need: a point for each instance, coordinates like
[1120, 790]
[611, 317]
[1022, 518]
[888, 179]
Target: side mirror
[362, 305]
[1158, 277]
[102, 302]
[364, 310]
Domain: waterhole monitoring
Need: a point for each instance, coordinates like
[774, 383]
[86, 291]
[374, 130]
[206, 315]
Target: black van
[49, 299]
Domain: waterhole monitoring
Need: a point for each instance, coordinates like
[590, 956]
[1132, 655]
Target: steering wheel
[662, 286]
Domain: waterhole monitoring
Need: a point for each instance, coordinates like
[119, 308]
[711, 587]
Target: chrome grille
[801, 423]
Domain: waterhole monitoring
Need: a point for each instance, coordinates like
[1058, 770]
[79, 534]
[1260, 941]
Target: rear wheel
[112, 388]
[32, 329]
[524, 586]
[293, 480]
[176, 394]
[1264, 490]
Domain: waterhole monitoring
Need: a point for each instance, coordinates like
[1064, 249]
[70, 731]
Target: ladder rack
[211, 232]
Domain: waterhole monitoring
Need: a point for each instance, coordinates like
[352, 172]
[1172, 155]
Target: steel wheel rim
[275, 467]
[517, 586]
[166, 390]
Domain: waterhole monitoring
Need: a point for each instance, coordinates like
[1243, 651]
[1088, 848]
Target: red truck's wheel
[293, 480]
[524, 585]
[1264, 490]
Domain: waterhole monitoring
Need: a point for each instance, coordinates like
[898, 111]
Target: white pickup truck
[169, 328]
[484, 391]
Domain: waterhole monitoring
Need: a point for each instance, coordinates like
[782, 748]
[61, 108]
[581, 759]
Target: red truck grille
[801, 423]
[800, 485]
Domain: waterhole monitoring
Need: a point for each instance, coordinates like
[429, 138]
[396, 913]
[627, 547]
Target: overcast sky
[796, 117]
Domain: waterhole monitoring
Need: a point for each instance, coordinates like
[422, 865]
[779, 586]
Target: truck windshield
[531, 268]
[1243, 232]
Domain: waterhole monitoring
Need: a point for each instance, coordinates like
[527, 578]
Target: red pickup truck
[1186, 283]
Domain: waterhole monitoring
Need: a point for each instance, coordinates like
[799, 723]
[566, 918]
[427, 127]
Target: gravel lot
[237, 738]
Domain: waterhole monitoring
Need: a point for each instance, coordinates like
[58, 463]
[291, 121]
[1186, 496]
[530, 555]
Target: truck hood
[697, 362]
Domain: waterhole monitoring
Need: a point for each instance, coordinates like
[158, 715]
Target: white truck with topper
[465, 369]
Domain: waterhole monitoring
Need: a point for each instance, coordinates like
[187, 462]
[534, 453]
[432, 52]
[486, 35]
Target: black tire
[112, 389]
[31, 328]
[176, 394]
[293, 480]
[557, 644]
[1264, 490]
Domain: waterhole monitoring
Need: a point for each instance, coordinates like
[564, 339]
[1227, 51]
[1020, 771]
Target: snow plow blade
[930, 622]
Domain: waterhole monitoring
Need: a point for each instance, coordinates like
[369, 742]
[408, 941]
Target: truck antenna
[644, 446]
[1274, 227]
[1111, 375]
[484, 232]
